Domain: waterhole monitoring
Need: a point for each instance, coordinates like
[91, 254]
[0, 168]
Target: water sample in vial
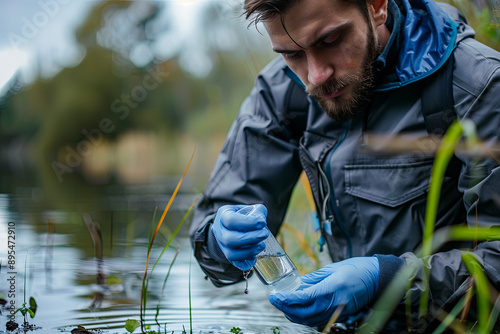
[273, 266]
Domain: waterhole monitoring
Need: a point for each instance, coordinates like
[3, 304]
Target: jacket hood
[429, 37]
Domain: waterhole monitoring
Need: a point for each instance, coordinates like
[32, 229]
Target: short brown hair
[262, 10]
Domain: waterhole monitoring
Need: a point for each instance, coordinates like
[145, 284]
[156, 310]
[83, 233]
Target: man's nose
[319, 70]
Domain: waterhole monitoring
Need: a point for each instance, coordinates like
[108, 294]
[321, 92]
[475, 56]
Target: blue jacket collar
[429, 37]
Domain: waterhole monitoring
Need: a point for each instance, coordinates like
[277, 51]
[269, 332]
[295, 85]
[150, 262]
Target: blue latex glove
[352, 282]
[241, 235]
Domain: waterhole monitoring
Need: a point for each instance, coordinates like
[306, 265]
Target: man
[366, 67]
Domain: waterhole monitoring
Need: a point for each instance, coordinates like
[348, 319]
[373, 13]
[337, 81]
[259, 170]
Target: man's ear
[378, 11]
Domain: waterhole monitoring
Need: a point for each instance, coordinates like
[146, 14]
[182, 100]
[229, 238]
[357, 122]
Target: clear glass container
[273, 267]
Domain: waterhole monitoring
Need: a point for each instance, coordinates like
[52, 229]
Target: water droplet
[245, 277]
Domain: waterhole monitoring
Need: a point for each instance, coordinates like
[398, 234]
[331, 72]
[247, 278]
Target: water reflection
[84, 270]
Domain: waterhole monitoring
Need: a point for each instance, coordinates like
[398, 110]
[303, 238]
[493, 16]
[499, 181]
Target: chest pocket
[390, 184]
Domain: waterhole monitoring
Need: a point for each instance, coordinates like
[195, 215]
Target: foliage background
[51, 130]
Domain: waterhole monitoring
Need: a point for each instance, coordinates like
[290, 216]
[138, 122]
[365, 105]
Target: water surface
[79, 278]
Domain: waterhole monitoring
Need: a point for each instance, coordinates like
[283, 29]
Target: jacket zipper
[325, 219]
[335, 216]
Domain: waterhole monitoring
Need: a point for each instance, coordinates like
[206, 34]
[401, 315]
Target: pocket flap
[388, 184]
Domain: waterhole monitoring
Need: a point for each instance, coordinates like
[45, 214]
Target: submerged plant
[24, 309]
[131, 325]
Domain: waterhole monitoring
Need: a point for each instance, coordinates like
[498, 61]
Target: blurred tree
[76, 105]
[120, 86]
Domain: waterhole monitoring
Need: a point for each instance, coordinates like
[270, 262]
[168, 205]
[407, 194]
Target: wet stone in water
[11, 325]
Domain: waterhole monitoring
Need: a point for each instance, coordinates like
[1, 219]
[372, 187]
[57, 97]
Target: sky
[37, 36]
[38, 32]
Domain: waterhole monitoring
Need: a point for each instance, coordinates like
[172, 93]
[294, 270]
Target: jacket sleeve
[258, 163]
[476, 99]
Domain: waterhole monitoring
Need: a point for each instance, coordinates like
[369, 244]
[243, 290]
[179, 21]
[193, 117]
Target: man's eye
[333, 40]
[291, 55]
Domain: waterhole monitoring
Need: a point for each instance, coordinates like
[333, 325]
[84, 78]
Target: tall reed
[145, 278]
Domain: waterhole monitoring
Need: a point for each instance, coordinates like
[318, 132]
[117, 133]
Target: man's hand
[351, 283]
[241, 235]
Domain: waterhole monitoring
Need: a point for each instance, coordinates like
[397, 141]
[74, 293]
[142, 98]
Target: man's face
[331, 47]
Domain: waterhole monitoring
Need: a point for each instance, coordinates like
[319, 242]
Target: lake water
[96, 282]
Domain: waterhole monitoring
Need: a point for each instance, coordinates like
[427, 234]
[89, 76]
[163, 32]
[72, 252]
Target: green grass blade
[145, 283]
[450, 318]
[483, 290]
[167, 245]
[25, 276]
[152, 238]
[387, 303]
[151, 230]
[461, 233]
[481, 233]
[495, 315]
[175, 233]
[164, 284]
[190, 306]
[443, 156]
[171, 199]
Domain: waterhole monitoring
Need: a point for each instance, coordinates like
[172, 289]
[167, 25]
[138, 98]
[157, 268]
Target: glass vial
[273, 267]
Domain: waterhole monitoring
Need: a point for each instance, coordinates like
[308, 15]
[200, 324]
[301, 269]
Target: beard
[343, 108]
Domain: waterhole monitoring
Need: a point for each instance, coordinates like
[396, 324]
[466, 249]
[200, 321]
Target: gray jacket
[375, 204]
